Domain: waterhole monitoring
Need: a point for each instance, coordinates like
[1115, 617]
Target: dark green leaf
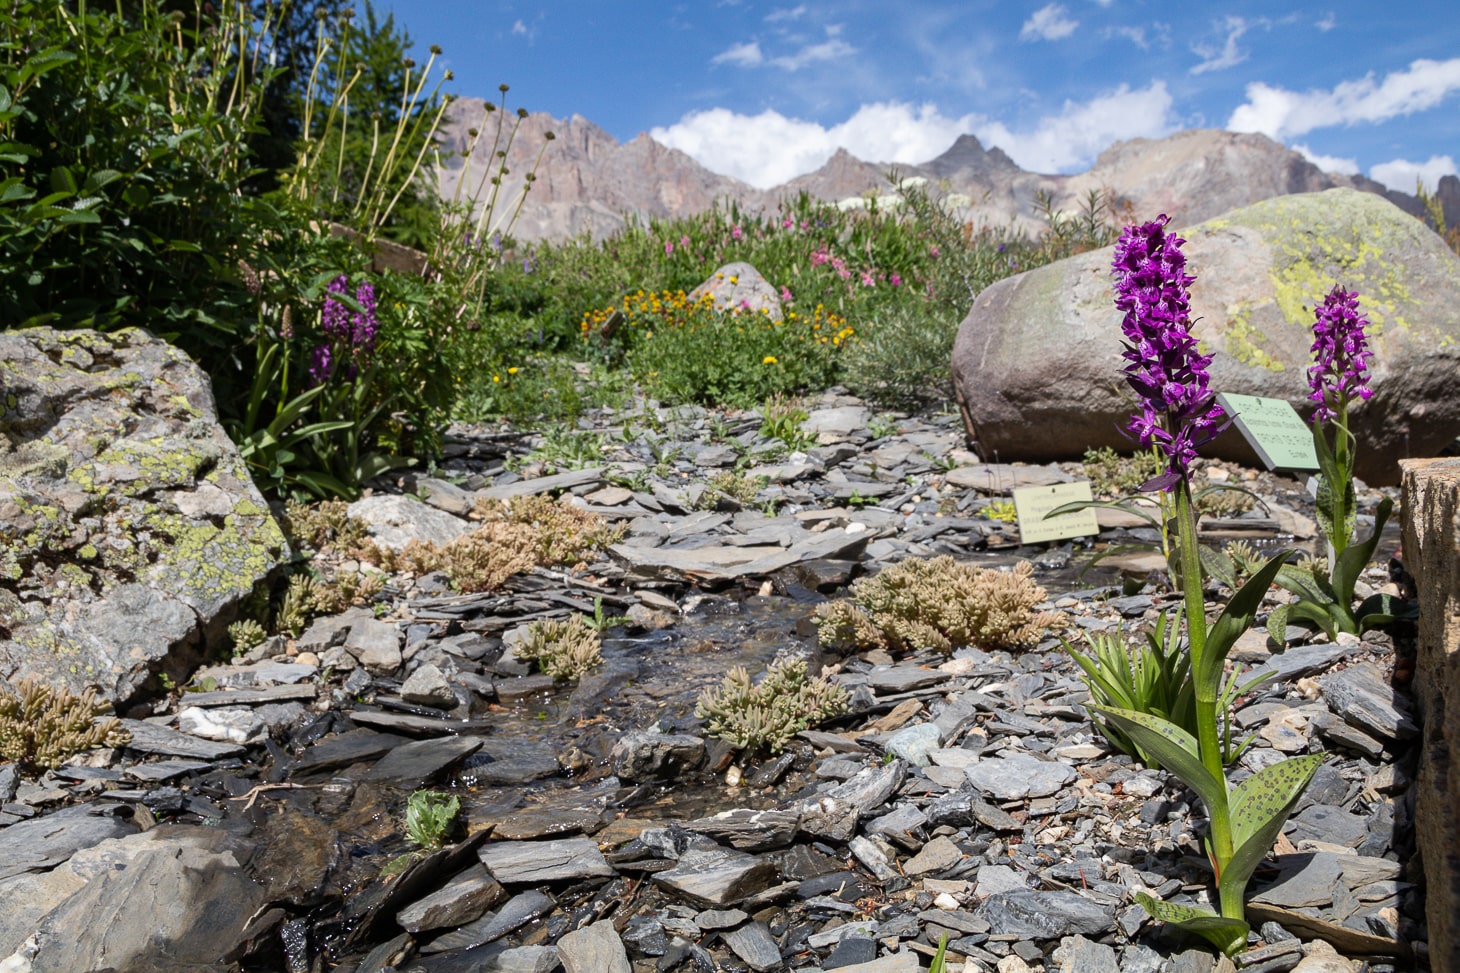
[1228, 935]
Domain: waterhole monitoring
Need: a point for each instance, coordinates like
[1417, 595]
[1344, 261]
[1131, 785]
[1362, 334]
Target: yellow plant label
[1032, 503]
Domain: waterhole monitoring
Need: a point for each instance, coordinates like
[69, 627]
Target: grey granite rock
[1018, 775]
[717, 878]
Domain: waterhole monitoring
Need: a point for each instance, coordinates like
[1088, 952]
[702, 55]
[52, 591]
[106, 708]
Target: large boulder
[1036, 364]
[129, 527]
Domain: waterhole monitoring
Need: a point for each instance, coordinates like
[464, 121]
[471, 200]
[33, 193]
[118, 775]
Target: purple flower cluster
[342, 329]
[1164, 367]
[1341, 356]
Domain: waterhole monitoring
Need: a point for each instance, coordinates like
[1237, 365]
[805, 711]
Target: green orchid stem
[1209, 744]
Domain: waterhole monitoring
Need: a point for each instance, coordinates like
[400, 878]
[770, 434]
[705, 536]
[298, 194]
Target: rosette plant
[1177, 414]
[1338, 376]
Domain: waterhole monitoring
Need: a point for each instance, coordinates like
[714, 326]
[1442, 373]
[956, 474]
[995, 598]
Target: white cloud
[518, 27]
[1081, 130]
[1328, 163]
[1136, 35]
[745, 55]
[828, 50]
[1278, 112]
[792, 13]
[1049, 23]
[1401, 174]
[1327, 23]
[768, 149]
[1229, 54]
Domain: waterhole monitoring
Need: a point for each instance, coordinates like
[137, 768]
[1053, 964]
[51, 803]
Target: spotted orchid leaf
[1259, 807]
[1228, 935]
[1175, 748]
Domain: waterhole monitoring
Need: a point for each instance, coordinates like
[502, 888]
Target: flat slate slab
[1000, 477]
[543, 484]
[535, 862]
[717, 878]
[45, 842]
[346, 749]
[421, 759]
[167, 742]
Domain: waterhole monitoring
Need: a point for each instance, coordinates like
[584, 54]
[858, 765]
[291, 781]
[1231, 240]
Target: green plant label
[1273, 427]
[1032, 503]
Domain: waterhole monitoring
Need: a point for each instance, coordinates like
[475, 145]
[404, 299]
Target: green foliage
[1001, 510]
[246, 634]
[1112, 475]
[781, 417]
[1152, 677]
[125, 141]
[564, 648]
[739, 488]
[368, 124]
[44, 726]
[768, 714]
[430, 817]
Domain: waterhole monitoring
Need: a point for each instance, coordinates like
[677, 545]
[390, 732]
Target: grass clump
[767, 715]
[44, 726]
[564, 648]
[937, 603]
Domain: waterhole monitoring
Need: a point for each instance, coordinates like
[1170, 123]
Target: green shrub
[767, 715]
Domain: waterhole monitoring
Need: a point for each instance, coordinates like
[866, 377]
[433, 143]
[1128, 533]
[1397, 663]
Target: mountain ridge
[587, 182]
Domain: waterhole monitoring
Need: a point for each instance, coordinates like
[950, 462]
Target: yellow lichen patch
[1243, 340]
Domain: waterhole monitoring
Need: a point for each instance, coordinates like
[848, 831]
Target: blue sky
[766, 91]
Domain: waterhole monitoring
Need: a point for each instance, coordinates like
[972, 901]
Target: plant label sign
[1033, 502]
[1272, 427]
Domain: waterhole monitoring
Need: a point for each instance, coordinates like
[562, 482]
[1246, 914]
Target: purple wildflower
[321, 365]
[1341, 356]
[1167, 372]
[362, 335]
[334, 320]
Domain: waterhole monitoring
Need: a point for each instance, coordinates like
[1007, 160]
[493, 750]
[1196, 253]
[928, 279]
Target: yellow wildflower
[768, 360]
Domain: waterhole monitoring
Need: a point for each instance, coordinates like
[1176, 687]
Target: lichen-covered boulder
[1036, 364]
[129, 527]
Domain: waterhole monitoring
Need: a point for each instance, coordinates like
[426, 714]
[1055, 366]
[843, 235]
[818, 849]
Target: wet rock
[717, 878]
[1018, 775]
[297, 853]
[414, 763]
[749, 830]
[427, 686]
[347, 748]
[500, 762]
[517, 912]
[755, 946]
[1044, 915]
[595, 948]
[573, 811]
[533, 862]
[463, 899]
[655, 755]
